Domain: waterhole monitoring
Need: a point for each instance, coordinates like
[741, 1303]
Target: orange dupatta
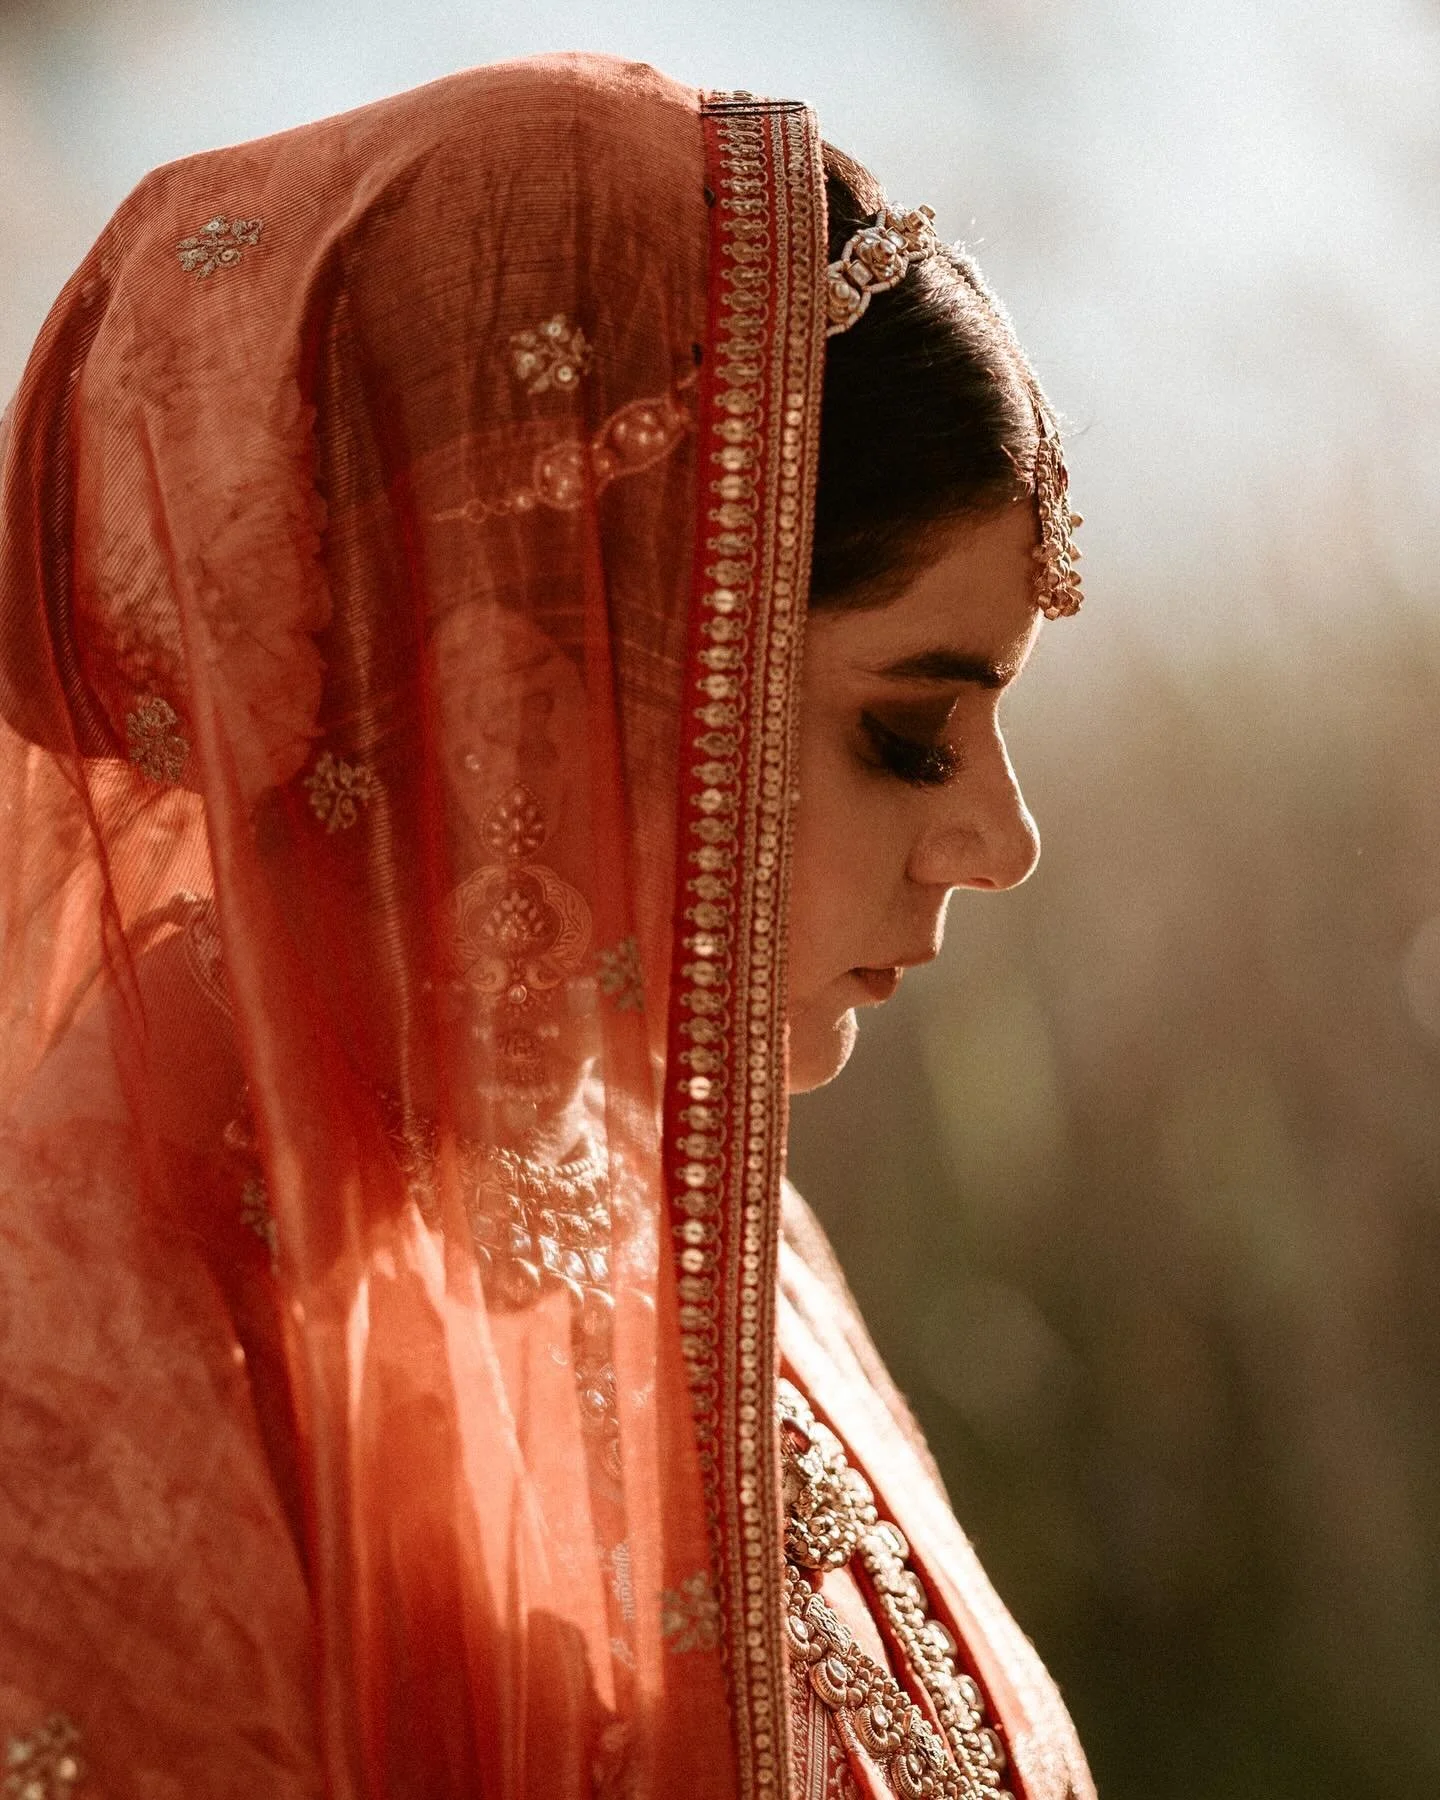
[405, 537]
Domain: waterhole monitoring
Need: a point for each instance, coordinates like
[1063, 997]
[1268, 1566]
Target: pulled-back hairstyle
[926, 416]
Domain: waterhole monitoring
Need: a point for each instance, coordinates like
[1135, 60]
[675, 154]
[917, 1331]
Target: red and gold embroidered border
[725, 1102]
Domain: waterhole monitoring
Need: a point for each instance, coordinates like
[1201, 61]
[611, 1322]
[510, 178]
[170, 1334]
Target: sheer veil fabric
[406, 524]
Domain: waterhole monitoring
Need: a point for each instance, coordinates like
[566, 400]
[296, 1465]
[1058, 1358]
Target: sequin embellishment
[217, 245]
[44, 1765]
[339, 789]
[154, 742]
[255, 1212]
[621, 978]
[554, 355]
[690, 1615]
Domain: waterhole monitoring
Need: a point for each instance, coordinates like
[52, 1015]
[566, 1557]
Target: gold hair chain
[877, 258]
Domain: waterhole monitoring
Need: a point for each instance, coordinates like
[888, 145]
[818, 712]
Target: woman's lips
[879, 984]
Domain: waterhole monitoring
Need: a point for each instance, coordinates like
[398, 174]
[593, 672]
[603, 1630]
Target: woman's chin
[818, 1049]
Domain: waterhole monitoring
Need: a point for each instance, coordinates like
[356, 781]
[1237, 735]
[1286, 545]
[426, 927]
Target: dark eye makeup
[918, 760]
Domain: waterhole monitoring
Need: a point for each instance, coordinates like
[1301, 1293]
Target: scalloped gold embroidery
[830, 1518]
[339, 789]
[553, 355]
[44, 1765]
[217, 245]
[155, 745]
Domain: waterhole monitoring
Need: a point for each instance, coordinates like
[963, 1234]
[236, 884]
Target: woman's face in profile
[906, 790]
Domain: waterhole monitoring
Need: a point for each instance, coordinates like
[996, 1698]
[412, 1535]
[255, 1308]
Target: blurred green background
[1140, 1184]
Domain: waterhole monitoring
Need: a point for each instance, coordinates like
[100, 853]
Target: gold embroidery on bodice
[831, 1520]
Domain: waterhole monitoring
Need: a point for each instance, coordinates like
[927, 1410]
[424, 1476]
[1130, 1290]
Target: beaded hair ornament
[876, 259]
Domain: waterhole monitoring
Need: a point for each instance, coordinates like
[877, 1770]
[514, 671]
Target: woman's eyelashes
[919, 760]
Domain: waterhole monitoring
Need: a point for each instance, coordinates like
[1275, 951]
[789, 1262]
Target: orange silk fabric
[350, 502]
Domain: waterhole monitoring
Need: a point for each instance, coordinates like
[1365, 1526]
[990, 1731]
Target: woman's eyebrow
[949, 666]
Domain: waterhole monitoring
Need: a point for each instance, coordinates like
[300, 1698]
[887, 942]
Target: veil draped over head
[405, 536]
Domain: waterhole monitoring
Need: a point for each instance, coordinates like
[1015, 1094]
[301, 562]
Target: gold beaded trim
[724, 1136]
[830, 1517]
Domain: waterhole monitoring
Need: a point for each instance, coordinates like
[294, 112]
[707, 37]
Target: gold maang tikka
[876, 259]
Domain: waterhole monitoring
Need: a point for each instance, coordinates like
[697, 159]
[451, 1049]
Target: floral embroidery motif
[339, 789]
[44, 1765]
[537, 1227]
[555, 355]
[155, 746]
[255, 1212]
[621, 977]
[690, 1615]
[217, 245]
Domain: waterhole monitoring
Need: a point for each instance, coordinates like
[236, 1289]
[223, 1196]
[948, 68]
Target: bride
[504, 597]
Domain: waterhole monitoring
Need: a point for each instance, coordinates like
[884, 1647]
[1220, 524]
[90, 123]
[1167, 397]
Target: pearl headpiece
[877, 258]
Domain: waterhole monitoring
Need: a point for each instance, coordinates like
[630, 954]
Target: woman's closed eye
[920, 760]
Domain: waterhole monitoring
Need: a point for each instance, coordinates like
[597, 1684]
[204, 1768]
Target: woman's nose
[985, 838]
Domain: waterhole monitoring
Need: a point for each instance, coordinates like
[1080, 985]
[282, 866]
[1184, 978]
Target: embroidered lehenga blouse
[408, 1387]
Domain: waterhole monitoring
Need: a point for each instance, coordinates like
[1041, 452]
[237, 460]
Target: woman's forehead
[969, 616]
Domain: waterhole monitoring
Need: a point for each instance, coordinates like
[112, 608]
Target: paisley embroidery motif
[339, 789]
[620, 976]
[622, 1582]
[690, 1615]
[217, 245]
[44, 1765]
[204, 953]
[155, 744]
[554, 355]
[633, 439]
[517, 929]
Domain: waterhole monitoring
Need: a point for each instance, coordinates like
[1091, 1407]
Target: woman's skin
[906, 790]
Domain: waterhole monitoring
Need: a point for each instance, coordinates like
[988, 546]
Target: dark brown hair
[925, 416]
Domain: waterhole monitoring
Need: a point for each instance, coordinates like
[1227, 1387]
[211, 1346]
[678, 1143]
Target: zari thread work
[724, 1105]
[831, 1521]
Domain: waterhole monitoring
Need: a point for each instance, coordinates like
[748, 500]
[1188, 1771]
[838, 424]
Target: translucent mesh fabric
[350, 501]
